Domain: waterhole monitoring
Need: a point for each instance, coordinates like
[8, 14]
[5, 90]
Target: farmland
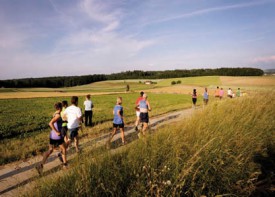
[216, 146]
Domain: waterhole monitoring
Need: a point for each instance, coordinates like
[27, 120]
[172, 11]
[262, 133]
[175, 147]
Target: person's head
[238, 88]
[217, 87]
[64, 104]
[88, 96]
[205, 89]
[194, 91]
[141, 94]
[119, 100]
[221, 88]
[144, 96]
[58, 106]
[74, 100]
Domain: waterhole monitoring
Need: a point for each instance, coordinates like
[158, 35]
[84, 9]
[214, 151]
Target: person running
[205, 96]
[217, 92]
[144, 108]
[238, 93]
[118, 121]
[137, 110]
[74, 117]
[64, 122]
[221, 93]
[88, 110]
[194, 97]
[230, 93]
[56, 140]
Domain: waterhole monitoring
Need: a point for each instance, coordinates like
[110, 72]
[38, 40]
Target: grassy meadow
[227, 149]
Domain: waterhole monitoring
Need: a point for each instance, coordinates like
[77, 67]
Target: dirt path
[17, 177]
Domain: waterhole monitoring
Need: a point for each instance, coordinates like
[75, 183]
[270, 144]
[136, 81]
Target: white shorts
[137, 113]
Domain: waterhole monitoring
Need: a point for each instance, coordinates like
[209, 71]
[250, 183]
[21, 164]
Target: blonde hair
[119, 100]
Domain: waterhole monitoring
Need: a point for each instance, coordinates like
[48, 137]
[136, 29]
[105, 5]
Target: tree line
[68, 81]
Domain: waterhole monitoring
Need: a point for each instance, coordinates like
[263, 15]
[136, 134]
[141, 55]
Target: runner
[144, 107]
[64, 122]
[56, 140]
[205, 96]
[118, 121]
[74, 117]
[88, 110]
[221, 93]
[137, 110]
[194, 98]
[238, 93]
[217, 92]
[230, 93]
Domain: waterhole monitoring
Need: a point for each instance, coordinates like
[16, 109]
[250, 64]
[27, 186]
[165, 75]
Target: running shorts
[118, 125]
[73, 133]
[144, 117]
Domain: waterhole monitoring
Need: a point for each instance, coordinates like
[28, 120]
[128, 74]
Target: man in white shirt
[74, 117]
[88, 110]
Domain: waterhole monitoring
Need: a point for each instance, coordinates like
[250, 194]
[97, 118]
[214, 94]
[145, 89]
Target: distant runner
[88, 110]
[137, 110]
[217, 92]
[56, 140]
[144, 108]
[205, 96]
[221, 93]
[194, 98]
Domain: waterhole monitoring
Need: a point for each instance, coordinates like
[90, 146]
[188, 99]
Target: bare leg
[76, 141]
[145, 125]
[47, 154]
[122, 135]
[63, 151]
[112, 135]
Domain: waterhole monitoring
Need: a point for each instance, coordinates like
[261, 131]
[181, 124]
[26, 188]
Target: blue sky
[78, 37]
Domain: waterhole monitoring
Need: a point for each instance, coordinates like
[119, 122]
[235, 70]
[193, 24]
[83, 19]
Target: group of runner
[219, 93]
[69, 118]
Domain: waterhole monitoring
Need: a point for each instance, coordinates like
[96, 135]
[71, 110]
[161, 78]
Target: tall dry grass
[221, 150]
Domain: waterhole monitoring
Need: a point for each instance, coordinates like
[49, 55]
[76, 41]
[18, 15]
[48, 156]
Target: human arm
[149, 107]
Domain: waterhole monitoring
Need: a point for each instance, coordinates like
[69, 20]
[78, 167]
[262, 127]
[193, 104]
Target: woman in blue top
[118, 120]
[205, 96]
[144, 108]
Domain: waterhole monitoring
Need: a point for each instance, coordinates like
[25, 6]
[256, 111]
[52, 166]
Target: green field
[25, 120]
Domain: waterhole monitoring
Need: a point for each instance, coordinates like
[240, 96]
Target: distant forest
[68, 81]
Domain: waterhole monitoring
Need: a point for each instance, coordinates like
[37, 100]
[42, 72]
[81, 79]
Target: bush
[173, 83]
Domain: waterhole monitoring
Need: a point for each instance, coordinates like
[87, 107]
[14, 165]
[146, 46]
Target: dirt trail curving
[17, 177]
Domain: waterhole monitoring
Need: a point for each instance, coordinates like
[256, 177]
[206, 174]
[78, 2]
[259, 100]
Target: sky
[84, 37]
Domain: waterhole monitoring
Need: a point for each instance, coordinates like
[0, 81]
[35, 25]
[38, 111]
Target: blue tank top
[117, 118]
[143, 104]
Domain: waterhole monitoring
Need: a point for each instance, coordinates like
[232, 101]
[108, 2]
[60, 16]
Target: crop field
[212, 153]
[22, 119]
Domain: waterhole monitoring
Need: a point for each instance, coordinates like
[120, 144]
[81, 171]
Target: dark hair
[64, 104]
[58, 105]
[74, 100]
[141, 93]
[88, 96]
[194, 91]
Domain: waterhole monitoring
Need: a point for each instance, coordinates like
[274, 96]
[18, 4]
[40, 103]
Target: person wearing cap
[137, 110]
[144, 108]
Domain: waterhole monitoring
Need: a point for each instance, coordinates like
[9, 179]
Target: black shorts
[64, 131]
[194, 100]
[56, 143]
[118, 125]
[144, 117]
[73, 133]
